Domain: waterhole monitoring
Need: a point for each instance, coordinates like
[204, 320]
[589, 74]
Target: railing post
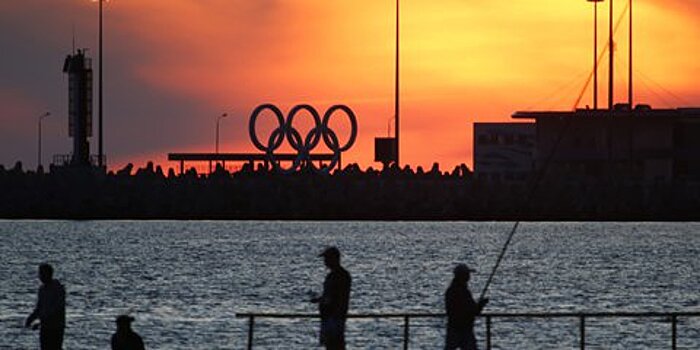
[251, 323]
[405, 332]
[488, 332]
[583, 331]
[674, 333]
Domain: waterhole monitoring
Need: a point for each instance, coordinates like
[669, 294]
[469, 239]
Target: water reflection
[184, 281]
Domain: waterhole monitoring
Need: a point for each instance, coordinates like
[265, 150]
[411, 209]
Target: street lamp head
[595, 0]
[217, 130]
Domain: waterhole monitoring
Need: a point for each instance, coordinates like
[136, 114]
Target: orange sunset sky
[173, 66]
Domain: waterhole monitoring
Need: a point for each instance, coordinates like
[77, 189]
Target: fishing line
[538, 176]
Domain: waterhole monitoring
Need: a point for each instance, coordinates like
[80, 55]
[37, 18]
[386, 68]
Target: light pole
[396, 88]
[38, 161]
[595, 52]
[100, 153]
[217, 130]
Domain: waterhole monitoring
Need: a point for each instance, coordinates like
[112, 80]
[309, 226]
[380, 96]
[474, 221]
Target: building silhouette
[503, 152]
[641, 145]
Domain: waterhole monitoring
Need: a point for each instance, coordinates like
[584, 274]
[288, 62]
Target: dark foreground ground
[349, 194]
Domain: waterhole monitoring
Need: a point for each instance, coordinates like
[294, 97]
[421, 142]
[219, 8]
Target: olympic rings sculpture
[302, 145]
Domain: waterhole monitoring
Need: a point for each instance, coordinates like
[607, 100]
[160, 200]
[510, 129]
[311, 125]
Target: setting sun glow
[461, 62]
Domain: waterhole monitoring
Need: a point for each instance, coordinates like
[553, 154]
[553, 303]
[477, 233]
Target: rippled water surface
[185, 281]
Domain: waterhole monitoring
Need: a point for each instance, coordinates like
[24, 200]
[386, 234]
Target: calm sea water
[185, 281]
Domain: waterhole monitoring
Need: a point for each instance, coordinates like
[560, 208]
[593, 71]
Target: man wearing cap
[50, 310]
[461, 311]
[333, 303]
[125, 338]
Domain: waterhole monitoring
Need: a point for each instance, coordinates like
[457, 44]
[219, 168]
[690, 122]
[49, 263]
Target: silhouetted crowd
[348, 194]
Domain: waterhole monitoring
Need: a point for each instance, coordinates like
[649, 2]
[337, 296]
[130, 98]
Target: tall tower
[79, 70]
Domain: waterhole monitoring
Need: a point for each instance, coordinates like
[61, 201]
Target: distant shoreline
[350, 194]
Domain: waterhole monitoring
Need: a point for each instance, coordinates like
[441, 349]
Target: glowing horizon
[172, 68]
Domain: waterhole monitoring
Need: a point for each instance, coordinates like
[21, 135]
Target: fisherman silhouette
[333, 303]
[461, 311]
[50, 310]
[125, 338]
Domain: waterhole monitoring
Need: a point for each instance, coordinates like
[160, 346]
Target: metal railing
[406, 317]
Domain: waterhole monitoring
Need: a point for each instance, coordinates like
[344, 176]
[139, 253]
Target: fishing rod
[540, 174]
[538, 177]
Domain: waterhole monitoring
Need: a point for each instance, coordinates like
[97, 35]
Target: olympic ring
[302, 145]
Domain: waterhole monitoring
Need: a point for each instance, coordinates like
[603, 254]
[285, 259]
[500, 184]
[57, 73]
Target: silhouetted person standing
[50, 310]
[333, 303]
[125, 338]
[461, 311]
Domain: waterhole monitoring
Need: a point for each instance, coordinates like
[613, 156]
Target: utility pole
[611, 51]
